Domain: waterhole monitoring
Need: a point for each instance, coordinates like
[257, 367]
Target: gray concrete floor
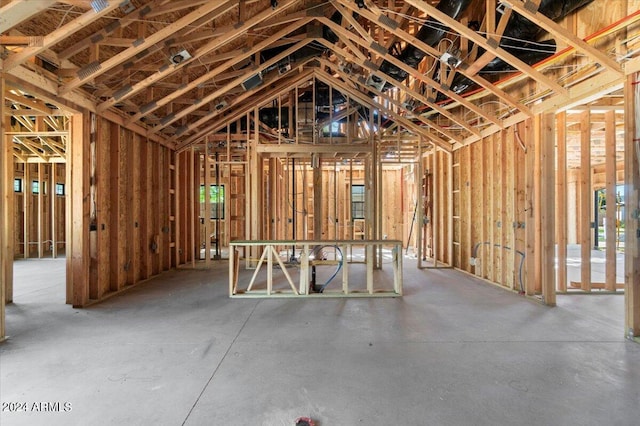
[453, 351]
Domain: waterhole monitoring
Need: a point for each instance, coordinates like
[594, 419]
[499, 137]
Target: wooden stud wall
[437, 193]
[41, 217]
[488, 207]
[133, 212]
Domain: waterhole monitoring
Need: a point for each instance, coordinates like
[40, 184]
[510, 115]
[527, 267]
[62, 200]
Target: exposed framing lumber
[610, 191]
[269, 250]
[102, 34]
[283, 86]
[15, 12]
[586, 198]
[168, 120]
[572, 40]
[530, 207]
[374, 15]
[63, 32]
[146, 43]
[78, 203]
[411, 71]
[215, 44]
[426, 121]
[561, 201]
[499, 52]
[632, 211]
[362, 98]
[402, 87]
[547, 207]
[6, 213]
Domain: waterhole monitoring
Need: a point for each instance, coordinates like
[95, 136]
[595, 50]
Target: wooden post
[435, 207]
[537, 197]
[6, 213]
[255, 167]
[547, 207]
[207, 208]
[419, 212]
[369, 248]
[561, 201]
[41, 216]
[531, 209]
[27, 200]
[585, 201]
[52, 206]
[192, 217]
[318, 200]
[632, 202]
[610, 190]
[78, 208]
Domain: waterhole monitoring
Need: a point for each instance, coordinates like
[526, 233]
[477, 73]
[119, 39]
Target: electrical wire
[318, 249]
[475, 256]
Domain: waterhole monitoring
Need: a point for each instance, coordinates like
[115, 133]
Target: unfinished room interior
[297, 212]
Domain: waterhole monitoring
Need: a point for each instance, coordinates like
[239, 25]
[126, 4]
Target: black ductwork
[519, 38]
[430, 33]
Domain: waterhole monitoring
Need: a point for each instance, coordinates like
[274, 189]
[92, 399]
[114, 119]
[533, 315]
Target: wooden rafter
[103, 33]
[56, 36]
[572, 40]
[145, 43]
[15, 12]
[283, 85]
[365, 100]
[221, 91]
[426, 121]
[154, 105]
[496, 50]
[401, 65]
[435, 54]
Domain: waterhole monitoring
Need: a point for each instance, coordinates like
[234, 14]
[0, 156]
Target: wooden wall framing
[632, 199]
[133, 210]
[6, 214]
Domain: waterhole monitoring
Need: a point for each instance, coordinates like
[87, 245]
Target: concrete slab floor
[177, 351]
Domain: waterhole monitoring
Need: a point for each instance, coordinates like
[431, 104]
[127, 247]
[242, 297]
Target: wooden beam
[78, 211]
[498, 51]
[101, 34]
[547, 207]
[172, 118]
[363, 99]
[282, 86]
[6, 213]
[15, 12]
[561, 201]
[228, 36]
[586, 198]
[145, 43]
[458, 120]
[407, 113]
[610, 194]
[567, 36]
[530, 207]
[411, 71]
[202, 79]
[58, 35]
[373, 16]
[632, 209]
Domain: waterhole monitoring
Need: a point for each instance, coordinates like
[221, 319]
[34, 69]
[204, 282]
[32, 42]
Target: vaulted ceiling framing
[180, 70]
